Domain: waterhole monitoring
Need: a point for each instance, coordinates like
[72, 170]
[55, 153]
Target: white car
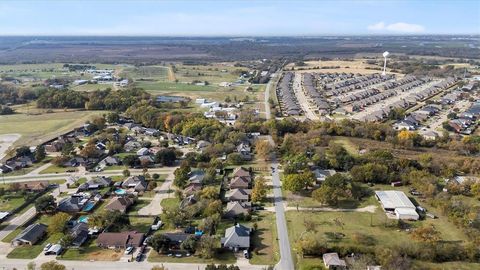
[128, 250]
[47, 246]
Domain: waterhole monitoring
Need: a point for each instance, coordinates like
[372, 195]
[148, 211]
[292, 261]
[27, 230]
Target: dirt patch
[105, 255]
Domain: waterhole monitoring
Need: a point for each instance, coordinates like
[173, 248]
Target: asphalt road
[286, 261]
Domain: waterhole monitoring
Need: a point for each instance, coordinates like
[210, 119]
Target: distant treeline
[97, 100]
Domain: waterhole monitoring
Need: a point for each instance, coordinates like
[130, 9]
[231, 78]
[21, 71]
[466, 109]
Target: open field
[35, 129]
[355, 66]
[6, 141]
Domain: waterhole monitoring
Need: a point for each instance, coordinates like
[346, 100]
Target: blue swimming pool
[83, 219]
[120, 191]
[89, 206]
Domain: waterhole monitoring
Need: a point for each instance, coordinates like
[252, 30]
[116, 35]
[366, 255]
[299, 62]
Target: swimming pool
[89, 206]
[83, 219]
[120, 191]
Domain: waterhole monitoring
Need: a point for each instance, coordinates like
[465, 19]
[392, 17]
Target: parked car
[246, 254]
[47, 246]
[128, 250]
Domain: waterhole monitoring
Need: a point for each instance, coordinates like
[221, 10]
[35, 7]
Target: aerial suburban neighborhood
[207, 135]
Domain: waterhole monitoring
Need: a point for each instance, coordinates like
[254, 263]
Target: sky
[239, 18]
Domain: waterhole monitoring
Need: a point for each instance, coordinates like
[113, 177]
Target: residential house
[146, 160]
[238, 194]
[36, 186]
[235, 209]
[132, 146]
[96, 183]
[187, 201]
[151, 132]
[143, 152]
[5, 169]
[196, 177]
[119, 204]
[202, 144]
[176, 239]
[79, 234]
[240, 172]
[244, 150]
[30, 235]
[321, 175]
[136, 183]
[332, 261]
[192, 188]
[75, 203]
[236, 237]
[116, 240]
[240, 182]
[110, 161]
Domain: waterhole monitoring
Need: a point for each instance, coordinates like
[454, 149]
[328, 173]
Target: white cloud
[399, 27]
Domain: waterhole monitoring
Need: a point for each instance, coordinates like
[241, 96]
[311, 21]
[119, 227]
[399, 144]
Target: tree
[181, 176]
[159, 242]
[297, 182]
[114, 220]
[333, 188]
[89, 151]
[58, 222]
[209, 192]
[126, 173]
[23, 151]
[166, 157]
[214, 207]
[259, 191]
[370, 173]
[235, 159]
[206, 247]
[264, 149]
[190, 244]
[52, 265]
[113, 117]
[67, 240]
[40, 153]
[45, 204]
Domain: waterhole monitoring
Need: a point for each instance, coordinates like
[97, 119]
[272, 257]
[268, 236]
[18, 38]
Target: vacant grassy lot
[57, 169]
[90, 251]
[139, 204]
[375, 227]
[10, 202]
[264, 241]
[140, 224]
[39, 128]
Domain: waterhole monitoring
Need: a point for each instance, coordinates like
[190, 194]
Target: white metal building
[398, 203]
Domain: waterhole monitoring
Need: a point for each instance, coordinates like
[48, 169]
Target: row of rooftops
[286, 96]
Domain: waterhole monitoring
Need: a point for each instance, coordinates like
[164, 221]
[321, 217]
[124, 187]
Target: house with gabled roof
[136, 182]
[236, 237]
[235, 209]
[238, 194]
[240, 182]
[120, 204]
[31, 235]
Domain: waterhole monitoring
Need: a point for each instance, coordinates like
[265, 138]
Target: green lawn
[12, 235]
[139, 204]
[140, 224]
[57, 169]
[10, 203]
[170, 202]
[264, 241]
[115, 167]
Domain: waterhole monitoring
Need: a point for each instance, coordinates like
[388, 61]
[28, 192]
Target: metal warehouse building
[398, 203]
